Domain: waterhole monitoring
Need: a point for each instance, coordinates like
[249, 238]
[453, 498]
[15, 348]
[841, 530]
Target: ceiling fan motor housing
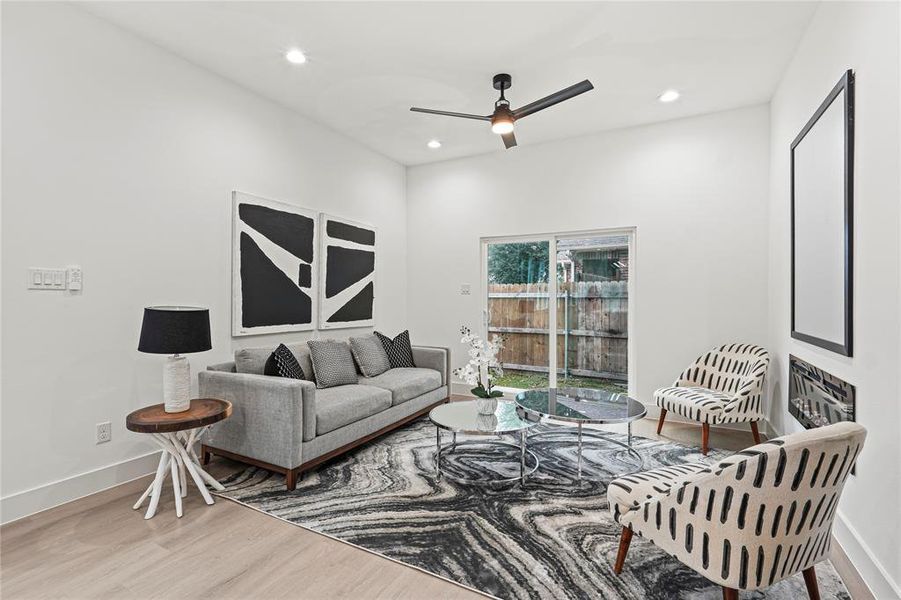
[502, 81]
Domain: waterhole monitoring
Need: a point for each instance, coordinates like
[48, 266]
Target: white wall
[864, 37]
[696, 189]
[121, 158]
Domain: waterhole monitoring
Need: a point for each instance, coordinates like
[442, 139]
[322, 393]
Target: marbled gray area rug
[554, 539]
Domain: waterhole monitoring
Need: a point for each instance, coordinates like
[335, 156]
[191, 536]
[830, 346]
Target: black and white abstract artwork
[274, 254]
[347, 289]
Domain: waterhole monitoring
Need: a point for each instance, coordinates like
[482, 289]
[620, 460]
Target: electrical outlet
[104, 432]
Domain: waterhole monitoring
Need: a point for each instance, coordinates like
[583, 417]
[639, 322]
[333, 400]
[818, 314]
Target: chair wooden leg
[755, 432]
[624, 541]
[205, 455]
[730, 593]
[810, 579]
[705, 438]
[291, 480]
[660, 421]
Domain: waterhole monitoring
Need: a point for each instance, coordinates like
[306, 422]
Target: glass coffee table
[463, 417]
[584, 406]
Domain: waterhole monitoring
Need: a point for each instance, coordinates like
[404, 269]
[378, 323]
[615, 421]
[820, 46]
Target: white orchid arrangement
[483, 366]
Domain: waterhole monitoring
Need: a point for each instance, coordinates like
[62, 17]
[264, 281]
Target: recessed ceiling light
[669, 96]
[434, 144]
[295, 56]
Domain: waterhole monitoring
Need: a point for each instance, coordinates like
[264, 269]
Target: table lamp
[175, 330]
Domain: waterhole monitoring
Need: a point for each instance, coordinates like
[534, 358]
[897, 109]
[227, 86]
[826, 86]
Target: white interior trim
[870, 570]
[28, 502]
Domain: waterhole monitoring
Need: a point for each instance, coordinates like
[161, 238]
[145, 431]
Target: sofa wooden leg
[810, 579]
[624, 541]
[291, 480]
[705, 438]
[660, 420]
[205, 455]
[730, 593]
[755, 432]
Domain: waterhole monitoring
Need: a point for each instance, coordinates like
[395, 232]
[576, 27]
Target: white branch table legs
[178, 460]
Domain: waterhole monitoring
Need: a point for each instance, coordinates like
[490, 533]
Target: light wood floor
[97, 547]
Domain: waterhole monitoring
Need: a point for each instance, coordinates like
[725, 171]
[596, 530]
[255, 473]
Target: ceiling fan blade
[555, 98]
[451, 114]
[509, 140]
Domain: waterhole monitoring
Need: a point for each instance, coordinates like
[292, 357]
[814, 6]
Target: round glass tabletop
[463, 417]
[581, 405]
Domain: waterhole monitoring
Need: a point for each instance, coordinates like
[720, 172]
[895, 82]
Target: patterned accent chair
[723, 386]
[759, 516]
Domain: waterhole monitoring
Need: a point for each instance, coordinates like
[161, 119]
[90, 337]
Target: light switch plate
[46, 279]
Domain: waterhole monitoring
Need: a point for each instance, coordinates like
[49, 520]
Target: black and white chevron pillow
[283, 363]
[400, 353]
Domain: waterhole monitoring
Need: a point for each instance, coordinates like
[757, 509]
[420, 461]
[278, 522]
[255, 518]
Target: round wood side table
[176, 434]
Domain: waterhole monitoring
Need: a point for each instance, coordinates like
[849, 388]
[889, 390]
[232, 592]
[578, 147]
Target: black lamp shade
[175, 330]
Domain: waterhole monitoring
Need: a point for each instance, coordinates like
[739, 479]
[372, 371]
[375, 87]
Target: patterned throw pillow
[400, 353]
[370, 355]
[333, 364]
[283, 363]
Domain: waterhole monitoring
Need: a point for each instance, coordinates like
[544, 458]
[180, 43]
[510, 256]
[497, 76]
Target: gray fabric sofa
[288, 426]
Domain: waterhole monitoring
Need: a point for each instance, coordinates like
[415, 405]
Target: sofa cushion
[283, 363]
[345, 404]
[370, 355]
[253, 360]
[405, 383]
[400, 353]
[333, 363]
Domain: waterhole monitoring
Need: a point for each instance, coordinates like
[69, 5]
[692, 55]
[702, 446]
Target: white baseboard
[28, 502]
[870, 570]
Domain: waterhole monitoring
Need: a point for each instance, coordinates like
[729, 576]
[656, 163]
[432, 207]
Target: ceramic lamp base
[177, 384]
[486, 406]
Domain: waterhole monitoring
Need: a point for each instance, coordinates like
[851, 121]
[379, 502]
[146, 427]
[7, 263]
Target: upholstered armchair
[723, 386]
[756, 518]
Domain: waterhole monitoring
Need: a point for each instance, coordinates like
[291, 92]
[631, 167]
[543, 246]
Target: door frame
[631, 232]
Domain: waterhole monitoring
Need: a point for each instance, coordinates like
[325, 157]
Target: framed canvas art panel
[274, 266]
[347, 285]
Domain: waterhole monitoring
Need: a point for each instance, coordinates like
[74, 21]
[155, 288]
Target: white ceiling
[370, 61]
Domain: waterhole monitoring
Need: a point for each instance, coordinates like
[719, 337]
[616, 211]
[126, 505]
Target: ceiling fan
[503, 117]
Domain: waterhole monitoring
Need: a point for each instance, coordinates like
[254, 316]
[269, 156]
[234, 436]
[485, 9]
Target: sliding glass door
[589, 280]
[518, 275]
[593, 311]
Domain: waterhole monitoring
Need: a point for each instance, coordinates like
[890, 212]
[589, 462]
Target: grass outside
[527, 380]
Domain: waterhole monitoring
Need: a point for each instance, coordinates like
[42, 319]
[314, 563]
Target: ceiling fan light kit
[503, 118]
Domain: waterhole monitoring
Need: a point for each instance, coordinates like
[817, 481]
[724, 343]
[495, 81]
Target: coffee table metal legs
[592, 434]
[522, 458]
[438, 453]
[580, 452]
[522, 447]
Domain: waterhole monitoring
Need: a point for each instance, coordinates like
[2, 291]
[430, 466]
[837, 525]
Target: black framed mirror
[822, 200]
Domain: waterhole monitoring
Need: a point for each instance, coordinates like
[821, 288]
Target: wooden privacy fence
[592, 327]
